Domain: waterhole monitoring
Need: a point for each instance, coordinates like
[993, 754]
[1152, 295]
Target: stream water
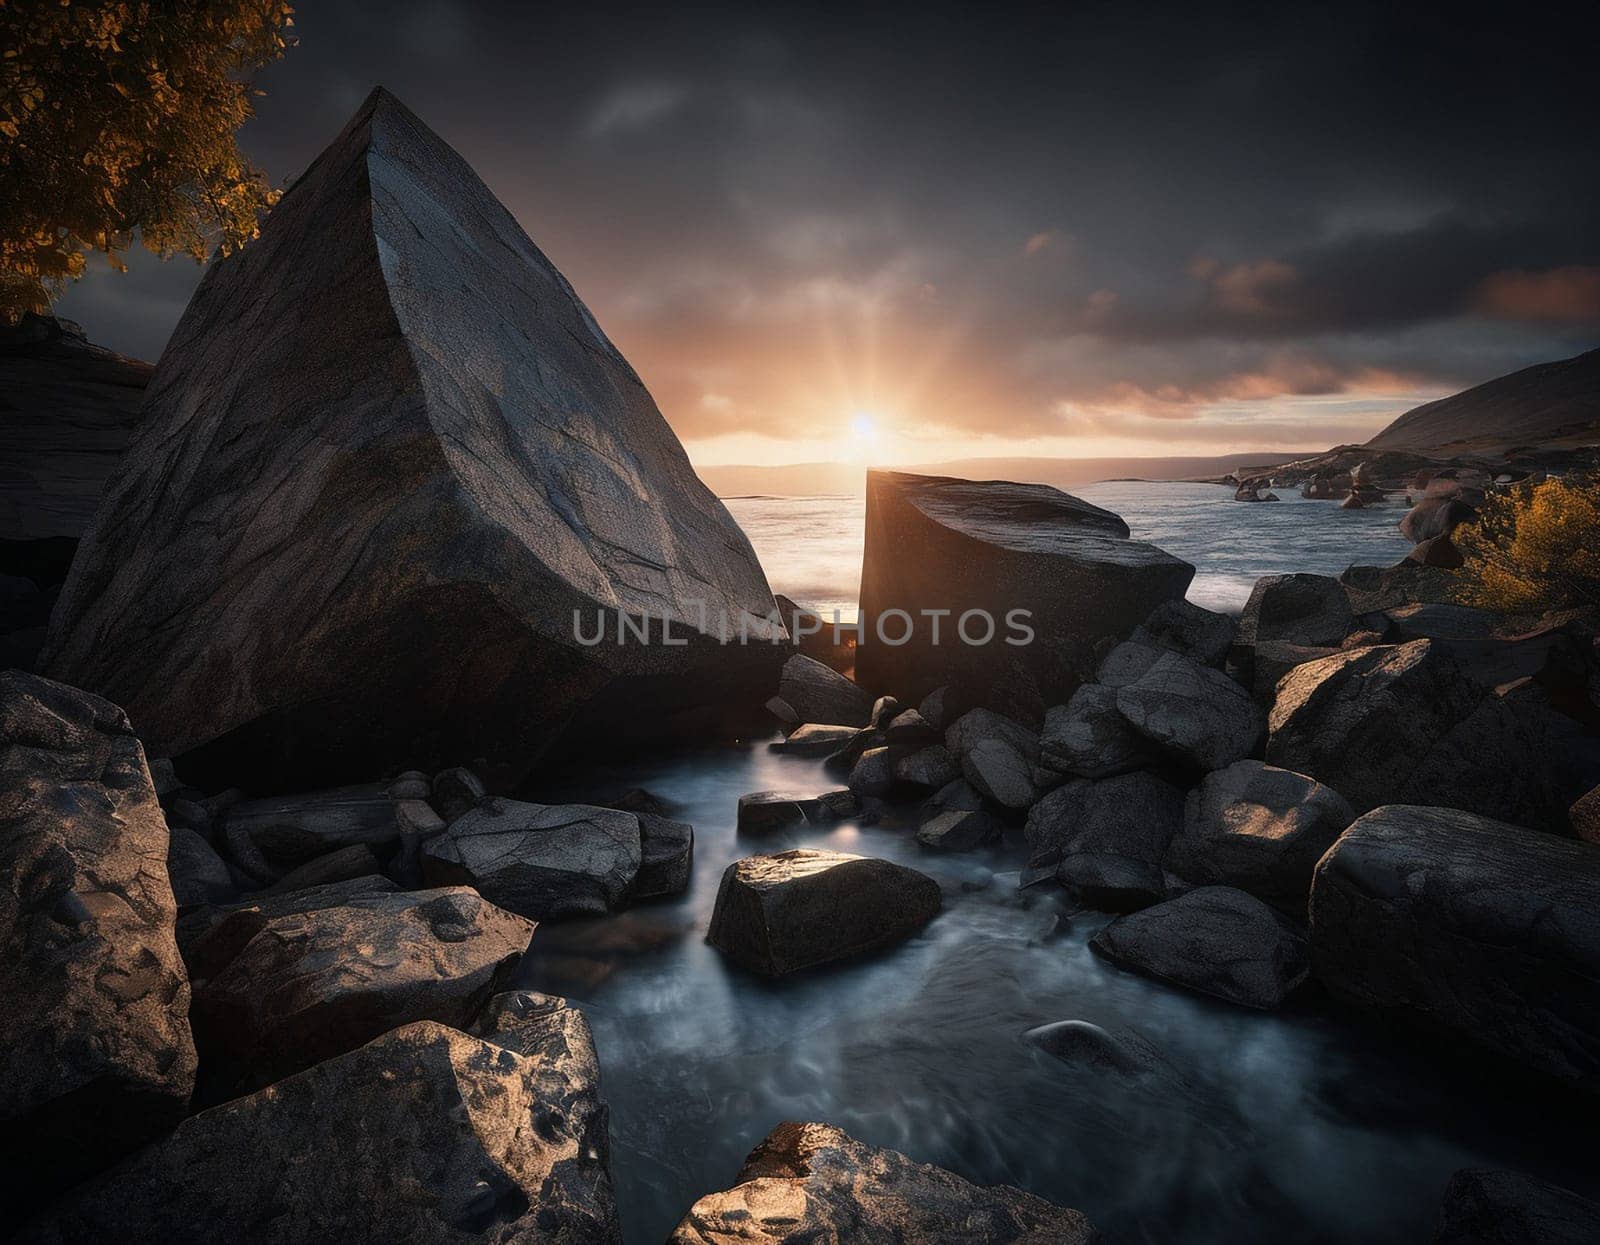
[1297, 1126]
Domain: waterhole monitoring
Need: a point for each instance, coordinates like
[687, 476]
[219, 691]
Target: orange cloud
[1248, 288]
[1566, 294]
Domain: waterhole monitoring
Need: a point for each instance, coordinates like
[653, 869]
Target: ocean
[811, 546]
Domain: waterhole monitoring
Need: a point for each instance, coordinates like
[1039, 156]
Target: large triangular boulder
[388, 467]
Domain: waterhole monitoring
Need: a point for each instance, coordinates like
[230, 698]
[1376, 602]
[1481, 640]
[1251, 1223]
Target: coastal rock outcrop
[780, 914]
[1309, 610]
[1487, 931]
[819, 694]
[539, 860]
[997, 756]
[1216, 940]
[986, 554]
[424, 1134]
[1088, 738]
[1258, 828]
[1192, 713]
[814, 1183]
[391, 480]
[1106, 839]
[306, 986]
[95, 1025]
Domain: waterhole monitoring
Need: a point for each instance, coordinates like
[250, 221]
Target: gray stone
[873, 773]
[909, 729]
[199, 876]
[958, 794]
[1127, 663]
[997, 756]
[884, 710]
[95, 1029]
[1486, 1207]
[819, 694]
[425, 1134]
[815, 1183]
[929, 768]
[1195, 714]
[784, 712]
[1298, 609]
[456, 791]
[815, 740]
[411, 785]
[958, 831]
[666, 856]
[388, 458]
[308, 986]
[1090, 1048]
[539, 860]
[202, 955]
[1105, 839]
[344, 865]
[1412, 723]
[1215, 940]
[935, 543]
[935, 707]
[1258, 828]
[776, 915]
[1186, 628]
[290, 830]
[771, 812]
[1486, 931]
[1088, 738]
[1272, 659]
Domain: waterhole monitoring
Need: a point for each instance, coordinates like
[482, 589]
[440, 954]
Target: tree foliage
[1535, 548]
[118, 118]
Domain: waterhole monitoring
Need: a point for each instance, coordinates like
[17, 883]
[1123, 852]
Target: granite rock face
[539, 860]
[796, 910]
[1413, 724]
[387, 464]
[1486, 931]
[815, 1183]
[1261, 829]
[1106, 839]
[1215, 940]
[306, 986]
[1088, 738]
[425, 1134]
[997, 756]
[934, 543]
[822, 695]
[1194, 714]
[95, 1025]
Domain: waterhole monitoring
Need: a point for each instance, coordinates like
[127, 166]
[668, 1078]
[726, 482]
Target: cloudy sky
[917, 233]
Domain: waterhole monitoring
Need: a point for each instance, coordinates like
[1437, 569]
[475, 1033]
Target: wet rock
[934, 543]
[873, 773]
[813, 1182]
[997, 756]
[844, 759]
[456, 791]
[389, 457]
[1412, 723]
[957, 794]
[98, 1053]
[666, 857]
[290, 830]
[1258, 828]
[1486, 931]
[1106, 839]
[819, 694]
[1088, 738]
[308, 986]
[355, 861]
[425, 1134]
[1353, 502]
[1089, 1048]
[1215, 940]
[958, 831]
[928, 768]
[1195, 714]
[539, 860]
[796, 910]
[815, 740]
[1486, 1207]
[771, 812]
[1184, 627]
[199, 876]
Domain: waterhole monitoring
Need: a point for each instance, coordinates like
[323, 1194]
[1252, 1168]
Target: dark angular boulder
[771, 812]
[815, 740]
[1196, 715]
[95, 1025]
[934, 543]
[1215, 940]
[1413, 723]
[873, 773]
[997, 756]
[425, 1134]
[1299, 609]
[958, 830]
[817, 637]
[289, 830]
[539, 860]
[1088, 738]
[1186, 628]
[390, 480]
[203, 955]
[355, 861]
[796, 910]
[1106, 839]
[1258, 828]
[308, 986]
[815, 1183]
[819, 694]
[1486, 931]
[199, 876]
[666, 857]
[1487, 1207]
[1435, 517]
[928, 768]
[1584, 816]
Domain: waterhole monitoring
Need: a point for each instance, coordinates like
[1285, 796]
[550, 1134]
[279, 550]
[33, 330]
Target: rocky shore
[272, 862]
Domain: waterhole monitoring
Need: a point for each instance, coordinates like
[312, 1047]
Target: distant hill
[1547, 405]
[822, 479]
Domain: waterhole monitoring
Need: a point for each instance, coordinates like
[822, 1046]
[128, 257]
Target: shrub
[1535, 548]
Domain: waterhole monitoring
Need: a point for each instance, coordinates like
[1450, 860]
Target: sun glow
[866, 436]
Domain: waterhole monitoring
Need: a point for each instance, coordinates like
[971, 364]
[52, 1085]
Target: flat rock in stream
[666, 857]
[815, 739]
[308, 986]
[539, 860]
[796, 910]
[424, 1134]
[814, 1183]
[95, 1028]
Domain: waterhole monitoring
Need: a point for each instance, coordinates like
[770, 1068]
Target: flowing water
[1301, 1125]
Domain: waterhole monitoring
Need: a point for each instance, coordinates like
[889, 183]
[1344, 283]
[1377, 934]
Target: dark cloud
[1003, 221]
